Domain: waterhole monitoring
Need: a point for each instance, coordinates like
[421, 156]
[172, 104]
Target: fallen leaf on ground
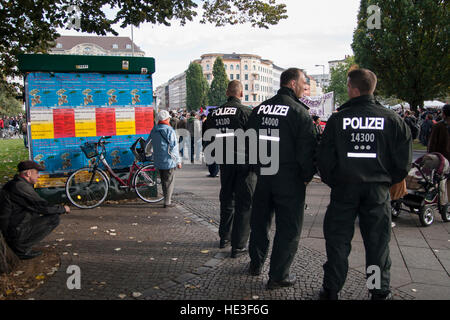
[40, 277]
[94, 228]
[117, 249]
[122, 296]
[174, 259]
[137, 294]
[204, 251]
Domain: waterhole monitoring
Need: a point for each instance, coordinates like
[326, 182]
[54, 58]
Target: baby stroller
[426, 188]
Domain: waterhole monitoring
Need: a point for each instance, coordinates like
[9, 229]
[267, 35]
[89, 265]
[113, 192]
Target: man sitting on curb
[26, 218]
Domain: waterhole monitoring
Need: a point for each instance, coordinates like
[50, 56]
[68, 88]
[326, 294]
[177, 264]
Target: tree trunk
[8, 259]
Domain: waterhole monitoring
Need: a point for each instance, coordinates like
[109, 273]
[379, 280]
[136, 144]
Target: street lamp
[323, 73]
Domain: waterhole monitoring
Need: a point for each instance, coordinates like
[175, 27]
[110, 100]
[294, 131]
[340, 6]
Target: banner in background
[322, 106]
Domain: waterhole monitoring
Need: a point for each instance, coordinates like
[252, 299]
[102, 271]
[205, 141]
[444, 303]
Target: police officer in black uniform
[237, 180]
[283, 122]
[365, 149]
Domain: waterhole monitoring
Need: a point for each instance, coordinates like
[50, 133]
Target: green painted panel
[81, 63]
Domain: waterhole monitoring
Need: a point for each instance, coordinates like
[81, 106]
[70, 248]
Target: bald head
[235, 89]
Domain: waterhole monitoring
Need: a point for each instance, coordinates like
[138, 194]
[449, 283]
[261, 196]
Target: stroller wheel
[426, 215]
[445, 212]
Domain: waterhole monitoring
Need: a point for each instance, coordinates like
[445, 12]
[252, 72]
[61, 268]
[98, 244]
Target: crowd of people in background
[13, 126]
[421, 124]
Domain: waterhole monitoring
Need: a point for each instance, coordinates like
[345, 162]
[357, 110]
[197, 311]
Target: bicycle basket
[89, 149]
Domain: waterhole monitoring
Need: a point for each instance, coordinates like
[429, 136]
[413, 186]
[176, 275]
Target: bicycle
[88, 187]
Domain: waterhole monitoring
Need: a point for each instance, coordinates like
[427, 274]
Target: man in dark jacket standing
[26, 218]
[237, 181]
[364, 150]
[284, 123]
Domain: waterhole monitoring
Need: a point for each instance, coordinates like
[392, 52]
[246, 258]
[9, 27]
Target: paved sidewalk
[141, 251]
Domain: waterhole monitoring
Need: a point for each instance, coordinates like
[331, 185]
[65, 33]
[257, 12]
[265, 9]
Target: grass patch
[418, 146]
[12, 151]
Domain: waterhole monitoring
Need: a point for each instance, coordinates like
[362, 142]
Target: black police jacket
[296, 137]
[228, 118]
[364, 143]
[19, 199]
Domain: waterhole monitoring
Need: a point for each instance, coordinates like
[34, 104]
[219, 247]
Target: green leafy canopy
[410, 52]
[217, 92]
[196, 88]
[30, 26]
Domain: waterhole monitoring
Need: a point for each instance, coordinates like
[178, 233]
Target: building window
[207, 67]
[208, 77]
[128, 46]
[59, 45]
[226, 67]
[238, 77]
[231, 67]
[246, 87]
[246, 67]
[231, 76]
[246, 98]
[246, 76]
[237, 67]
[254, 67]
[115, 46]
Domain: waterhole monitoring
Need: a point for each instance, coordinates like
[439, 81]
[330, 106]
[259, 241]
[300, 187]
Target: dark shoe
[172, 205]
[29, 255]
[238, 252]
[254, 270]
[288, 282]
[326, 294]
[224, 243]
[382, 296]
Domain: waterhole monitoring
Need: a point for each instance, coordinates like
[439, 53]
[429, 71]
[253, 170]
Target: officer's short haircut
[363, 79]
[289, 75]
[234, 88]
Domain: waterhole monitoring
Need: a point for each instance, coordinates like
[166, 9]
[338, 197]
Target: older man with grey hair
[166, 155]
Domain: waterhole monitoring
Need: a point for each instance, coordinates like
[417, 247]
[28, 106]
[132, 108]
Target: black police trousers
[370, 202]
[236, 193]
[283, 195]
[31, 231]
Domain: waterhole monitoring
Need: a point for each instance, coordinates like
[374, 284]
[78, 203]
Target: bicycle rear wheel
[86, 188]
[147, 184]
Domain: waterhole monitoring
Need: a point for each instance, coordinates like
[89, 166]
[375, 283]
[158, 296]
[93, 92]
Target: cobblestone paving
[229, 280]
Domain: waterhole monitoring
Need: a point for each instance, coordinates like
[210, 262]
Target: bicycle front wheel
[147, 184]
[86, 188]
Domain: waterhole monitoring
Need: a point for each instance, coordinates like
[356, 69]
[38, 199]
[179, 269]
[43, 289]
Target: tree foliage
[218, 90]
[196, 88]
[9, 105]
[30, 26]
[410, 52]
[338, 80]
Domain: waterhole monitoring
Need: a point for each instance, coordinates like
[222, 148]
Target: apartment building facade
[98, 46]
[255, 73]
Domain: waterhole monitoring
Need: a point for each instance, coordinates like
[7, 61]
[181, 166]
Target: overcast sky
[316, 32]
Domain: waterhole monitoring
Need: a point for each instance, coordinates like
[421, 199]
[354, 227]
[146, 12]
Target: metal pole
[132, 41]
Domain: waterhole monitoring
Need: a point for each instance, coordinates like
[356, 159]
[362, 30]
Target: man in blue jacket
[165, 154]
